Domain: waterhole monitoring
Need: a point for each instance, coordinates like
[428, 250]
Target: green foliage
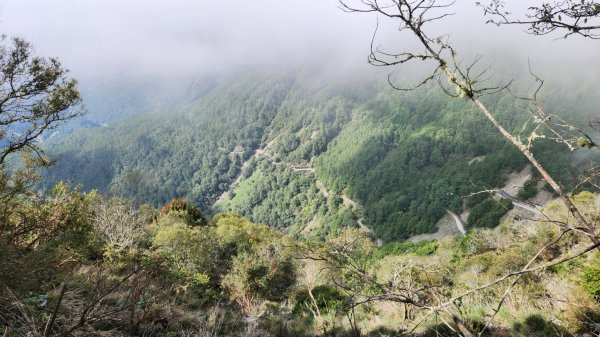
[276, 195]
[408, 157]
[591, 277]
[232, 254]
[475, 242]
[529, 190]
[421, 248]
[195, 153]
[402, 156]
[487, 214]
[476, 199]
[181, 208]
[236, 234]
[264, 273]
[537, 326]
[36, 96]
[251, 267]
[58, 226]
[326, 297]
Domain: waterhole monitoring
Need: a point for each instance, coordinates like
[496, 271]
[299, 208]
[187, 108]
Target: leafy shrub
[475, 242]
[508, 260]
[421, 248]
[189, 254]
[264, 273]
[537, 326]
[591, 278]
[326, 297]
[426, 248]
[488, 213]
[475, 199]
[529, 190]
[181, 208]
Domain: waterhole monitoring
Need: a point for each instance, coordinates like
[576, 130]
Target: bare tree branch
[570, 17]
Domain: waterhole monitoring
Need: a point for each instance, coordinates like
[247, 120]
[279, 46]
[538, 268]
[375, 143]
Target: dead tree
[467, 82]
[570, 17]
[345, 261]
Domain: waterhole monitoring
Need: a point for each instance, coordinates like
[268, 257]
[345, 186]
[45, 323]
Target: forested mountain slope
[309, 154]
[110, 99]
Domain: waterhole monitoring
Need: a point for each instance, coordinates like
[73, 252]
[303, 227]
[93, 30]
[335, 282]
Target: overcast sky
[180, 36]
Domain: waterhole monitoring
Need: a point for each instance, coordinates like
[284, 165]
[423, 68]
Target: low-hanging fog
[182, 36]
[109, 44]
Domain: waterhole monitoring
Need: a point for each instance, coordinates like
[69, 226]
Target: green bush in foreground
[537, 326]
[591, 278]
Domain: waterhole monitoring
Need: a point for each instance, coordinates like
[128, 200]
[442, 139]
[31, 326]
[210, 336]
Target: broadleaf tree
[36, 96]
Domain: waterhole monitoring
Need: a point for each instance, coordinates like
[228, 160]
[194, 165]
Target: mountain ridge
[269, 141]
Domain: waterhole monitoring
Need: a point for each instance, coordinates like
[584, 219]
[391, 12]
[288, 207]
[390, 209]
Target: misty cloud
[184, 35]
[159, 38]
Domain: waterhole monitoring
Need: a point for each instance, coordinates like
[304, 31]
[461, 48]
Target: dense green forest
[109, 99]
[313, 155]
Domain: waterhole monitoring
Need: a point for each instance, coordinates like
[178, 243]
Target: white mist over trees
[98, 39]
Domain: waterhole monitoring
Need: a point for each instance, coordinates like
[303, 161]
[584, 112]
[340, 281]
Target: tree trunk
[547, 177]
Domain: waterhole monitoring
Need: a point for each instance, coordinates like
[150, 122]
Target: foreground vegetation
[79, 264]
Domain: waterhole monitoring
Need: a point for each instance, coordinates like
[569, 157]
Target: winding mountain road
[362, 226]
[257, 153]
[530, 207]
[459, 223]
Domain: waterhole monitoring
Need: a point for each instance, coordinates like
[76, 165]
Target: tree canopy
[35, 96]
